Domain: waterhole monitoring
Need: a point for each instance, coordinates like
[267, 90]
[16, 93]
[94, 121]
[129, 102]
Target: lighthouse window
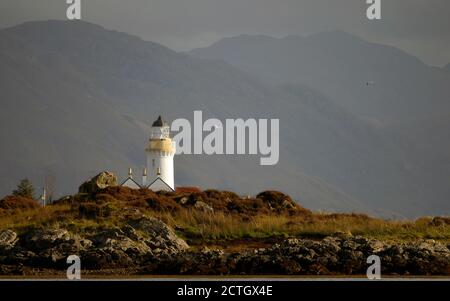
[153, 163]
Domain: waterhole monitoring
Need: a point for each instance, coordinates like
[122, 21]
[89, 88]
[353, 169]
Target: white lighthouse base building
[159, 173]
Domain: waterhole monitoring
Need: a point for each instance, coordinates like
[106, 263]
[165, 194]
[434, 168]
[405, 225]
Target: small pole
[44, 196]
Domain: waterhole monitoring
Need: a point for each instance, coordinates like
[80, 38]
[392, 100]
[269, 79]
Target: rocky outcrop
[159, 236]
[135, 244]
[148, 246]
[8, 239]
[45, 248]
[100, 181]
[139, 242]
[40, 239]
[115, 247]
[330, 256]
[203, 207]
[440, 221]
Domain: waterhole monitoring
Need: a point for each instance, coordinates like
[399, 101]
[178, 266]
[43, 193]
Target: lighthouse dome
[159, 122]
[160, 129]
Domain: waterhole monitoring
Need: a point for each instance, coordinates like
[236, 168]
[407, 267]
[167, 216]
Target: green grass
[218, 226]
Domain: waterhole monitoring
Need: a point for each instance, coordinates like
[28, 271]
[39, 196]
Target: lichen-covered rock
[114, 248]
[106, 258]
[116, 239]
[203, 207]
[100, 181]
[8, 239]
[159, 236]
[41, 239]
[47, 248]
[330, 256]
[141, 241]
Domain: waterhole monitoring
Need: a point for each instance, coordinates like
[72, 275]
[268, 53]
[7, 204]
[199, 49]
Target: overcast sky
[421, 27]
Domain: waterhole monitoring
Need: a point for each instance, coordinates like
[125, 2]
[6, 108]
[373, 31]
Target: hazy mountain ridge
[340, 65]
[447, 67]
[403, 98]
[85, 97]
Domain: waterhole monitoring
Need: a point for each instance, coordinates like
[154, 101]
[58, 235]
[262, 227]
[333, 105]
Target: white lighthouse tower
[160, 152]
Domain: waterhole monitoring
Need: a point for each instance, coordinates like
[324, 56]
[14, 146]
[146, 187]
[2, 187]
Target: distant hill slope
[405, 99]
[371, 80]
[77, 99]
[447, 68]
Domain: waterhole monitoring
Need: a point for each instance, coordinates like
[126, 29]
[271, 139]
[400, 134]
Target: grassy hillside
[211, 217]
